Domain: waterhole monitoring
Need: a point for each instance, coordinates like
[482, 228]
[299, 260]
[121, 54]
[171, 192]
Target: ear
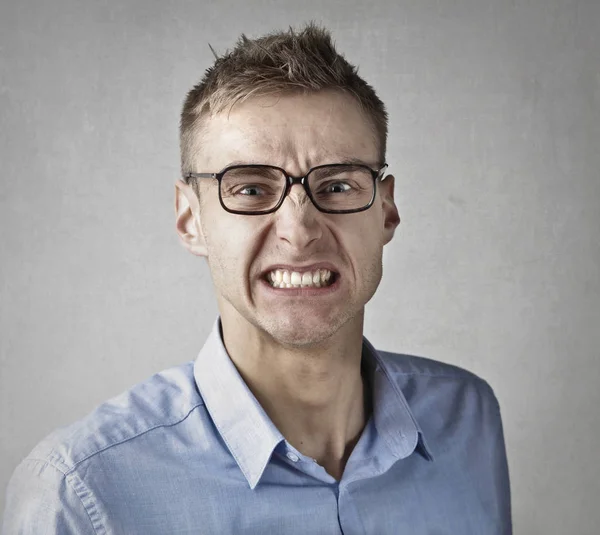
[187, 219]
[391, 217]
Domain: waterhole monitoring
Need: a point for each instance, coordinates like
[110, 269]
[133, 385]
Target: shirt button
[292, 456]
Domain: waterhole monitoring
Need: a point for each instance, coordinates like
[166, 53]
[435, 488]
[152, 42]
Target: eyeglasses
[261, 189]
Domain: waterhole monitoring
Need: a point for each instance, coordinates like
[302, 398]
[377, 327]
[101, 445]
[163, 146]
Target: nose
[297, 220]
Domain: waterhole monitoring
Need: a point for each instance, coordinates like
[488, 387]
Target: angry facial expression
[335, 259]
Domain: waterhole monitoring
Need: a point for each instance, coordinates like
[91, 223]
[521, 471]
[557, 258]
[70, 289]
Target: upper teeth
[282, 278]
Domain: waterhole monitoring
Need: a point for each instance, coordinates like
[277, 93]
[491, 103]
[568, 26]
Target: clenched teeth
[282, 278]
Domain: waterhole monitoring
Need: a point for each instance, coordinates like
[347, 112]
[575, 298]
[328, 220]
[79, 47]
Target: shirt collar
[250, 434]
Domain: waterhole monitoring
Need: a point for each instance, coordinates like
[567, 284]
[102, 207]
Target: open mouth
[317, 278]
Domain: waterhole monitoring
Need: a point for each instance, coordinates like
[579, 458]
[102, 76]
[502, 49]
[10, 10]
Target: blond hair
[277, 63]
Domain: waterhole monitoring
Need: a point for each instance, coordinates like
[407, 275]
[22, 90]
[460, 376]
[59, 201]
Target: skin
[300, 355]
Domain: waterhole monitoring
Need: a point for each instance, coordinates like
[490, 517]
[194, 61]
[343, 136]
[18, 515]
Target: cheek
[367, 249]
[219, 242]
[231, 246]
[223, 251]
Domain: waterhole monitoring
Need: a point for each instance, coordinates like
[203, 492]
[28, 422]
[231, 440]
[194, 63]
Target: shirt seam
[48, 462]
[467, 375]
[93, 507]
[392, 364]
[56, 457]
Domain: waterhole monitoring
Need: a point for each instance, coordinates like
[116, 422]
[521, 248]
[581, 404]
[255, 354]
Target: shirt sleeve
[499, 474]
[40, 501]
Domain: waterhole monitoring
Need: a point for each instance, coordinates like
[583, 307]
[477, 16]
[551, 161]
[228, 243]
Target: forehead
[293, 131]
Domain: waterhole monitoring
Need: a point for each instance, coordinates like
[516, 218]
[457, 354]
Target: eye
[250, 190]
[337, 187]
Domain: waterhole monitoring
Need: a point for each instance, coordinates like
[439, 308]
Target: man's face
[294, 132]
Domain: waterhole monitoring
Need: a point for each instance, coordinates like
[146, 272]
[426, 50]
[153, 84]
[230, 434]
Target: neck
[316, 396]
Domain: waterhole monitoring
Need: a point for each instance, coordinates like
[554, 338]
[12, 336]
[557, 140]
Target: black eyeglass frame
[291, 180]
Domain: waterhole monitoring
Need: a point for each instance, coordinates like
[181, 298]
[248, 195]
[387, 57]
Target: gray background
[495, 142]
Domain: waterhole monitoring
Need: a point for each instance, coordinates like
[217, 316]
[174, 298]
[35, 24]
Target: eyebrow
[349, 160]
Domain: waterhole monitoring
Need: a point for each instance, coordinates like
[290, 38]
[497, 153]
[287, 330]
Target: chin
[299, 333]
[299, 340]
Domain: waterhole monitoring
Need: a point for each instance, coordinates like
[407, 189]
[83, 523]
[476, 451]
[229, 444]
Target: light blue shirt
[191, 451]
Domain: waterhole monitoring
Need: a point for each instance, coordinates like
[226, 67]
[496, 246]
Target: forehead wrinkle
[253, 137]
[296, 157]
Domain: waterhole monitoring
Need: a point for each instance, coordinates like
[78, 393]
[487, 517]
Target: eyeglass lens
[255, 189]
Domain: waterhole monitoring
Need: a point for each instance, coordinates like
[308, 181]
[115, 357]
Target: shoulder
[164, 399]
[404, 367]
[54, 488]
[434, 389]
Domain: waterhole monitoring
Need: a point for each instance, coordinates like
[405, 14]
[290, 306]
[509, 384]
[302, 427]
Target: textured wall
[495, 142]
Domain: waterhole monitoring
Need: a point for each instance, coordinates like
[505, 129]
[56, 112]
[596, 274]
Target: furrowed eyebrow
[325, 172]
[241, 162]
[266, 171]
[356, 161]
[346, 160]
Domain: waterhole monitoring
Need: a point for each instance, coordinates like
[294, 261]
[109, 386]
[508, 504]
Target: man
[289, 421]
